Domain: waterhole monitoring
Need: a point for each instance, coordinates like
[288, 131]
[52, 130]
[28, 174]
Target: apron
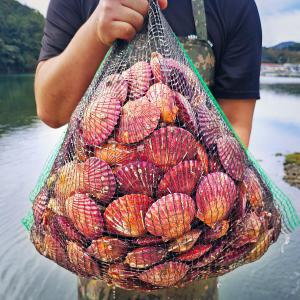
[200, 50]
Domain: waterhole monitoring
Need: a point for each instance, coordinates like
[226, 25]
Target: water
[25, 144]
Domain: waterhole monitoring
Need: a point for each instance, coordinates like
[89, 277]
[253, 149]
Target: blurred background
[26, 143]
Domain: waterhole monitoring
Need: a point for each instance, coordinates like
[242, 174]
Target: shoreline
[292, 169]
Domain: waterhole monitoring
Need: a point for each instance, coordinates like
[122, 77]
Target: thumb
[163, 3]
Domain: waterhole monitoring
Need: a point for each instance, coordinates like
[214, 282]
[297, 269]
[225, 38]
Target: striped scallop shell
[115, 153]
[168, 146]
[211, 126]
[39, 206]
[99, 120]
[185, 242]
[232, 157]
[163, 98]
[82, 263]
[125, 215]
[145, 257]
[217, 232]
[194, 253]
[139, 79]
[166, 274]
[85, 215]
[120, 271]
[114, 86]
[108, 249]
[170, 216]
[148, 240]
[138, 120]
[182, 178]
[215, 198]
[186, 114]
[202, 157]
[139, 177]
[99, 180]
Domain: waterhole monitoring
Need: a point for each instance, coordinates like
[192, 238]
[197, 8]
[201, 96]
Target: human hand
[121, 19]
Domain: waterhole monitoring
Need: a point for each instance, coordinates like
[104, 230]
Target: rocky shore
[292, 169]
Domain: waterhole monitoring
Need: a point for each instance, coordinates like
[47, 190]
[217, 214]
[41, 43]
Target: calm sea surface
[25, 144]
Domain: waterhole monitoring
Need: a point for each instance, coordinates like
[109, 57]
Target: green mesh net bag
[150, 187]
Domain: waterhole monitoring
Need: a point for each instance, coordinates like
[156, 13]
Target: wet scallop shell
[185, 242]
[83, 264]
[85, 215]
[99, 180]
[202, 157]
[139, 79]
[114, 86]
[232, 256]
[99, 120]
[115, 153]
[170, 216]
[215, 198]
[163, 97]
[57, 206]
[232, 157]
[125, 215]
[121, 272]
[217, 232]
[138, 120]
[186, 114]
[39, 206]
[145, 257]
[165, 275]
[168, 146]
[139, 177]
[108, 249]
[148, 240]
[194, 253]
[181, 178]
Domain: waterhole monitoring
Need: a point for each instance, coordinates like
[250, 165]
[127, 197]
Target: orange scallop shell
[120, 271]
[185, 242]
[166, 274]
[194, 253]
[170, 216]
[125, 215]
[99, 180]
[182, 178]
[139, 177]
[163, 98]
[85, 215]
[215, 198]
[168, 146]
[99, 120]
[138, 120]
[39, 206]
[108, 249]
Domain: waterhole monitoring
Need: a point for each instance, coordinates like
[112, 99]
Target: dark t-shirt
[234, 30]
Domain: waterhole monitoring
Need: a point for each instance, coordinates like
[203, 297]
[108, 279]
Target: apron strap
[200, 19]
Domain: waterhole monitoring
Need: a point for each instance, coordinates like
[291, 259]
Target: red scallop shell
[82, 263]
[163, 98]
[99, 120]
[220, 229]
[148, 240]
[215, 198]
[185, 242]
[250, 190]
[138, 120]
[202, 157]
[232, 157]
[139, 79]
[69, 180]
[85, 215]
[125, 215]
[168, 146]
[186, 114]
[181, 178]
[211, 126]
[170, 216]
[115, 153]
[166, 274]
[80, 149]
[145, 257]
[247, 230]
[108, 249]
[99, 179]
[214, 163]
[139, 177]
[114, 86]
[194, 253]
[156, 66]
[39, 206]
[37, 238]
[121, 272]
[198, 99]
[232, 256]
[57, 206]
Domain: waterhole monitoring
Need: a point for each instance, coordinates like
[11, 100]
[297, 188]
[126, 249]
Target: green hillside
[21, 30]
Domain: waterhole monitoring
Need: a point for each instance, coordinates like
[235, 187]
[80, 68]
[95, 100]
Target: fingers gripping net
[150, 187]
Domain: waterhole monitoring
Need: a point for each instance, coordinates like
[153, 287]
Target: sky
[280, 18]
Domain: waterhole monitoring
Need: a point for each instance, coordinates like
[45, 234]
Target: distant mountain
[21, 30]
[286, 52]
